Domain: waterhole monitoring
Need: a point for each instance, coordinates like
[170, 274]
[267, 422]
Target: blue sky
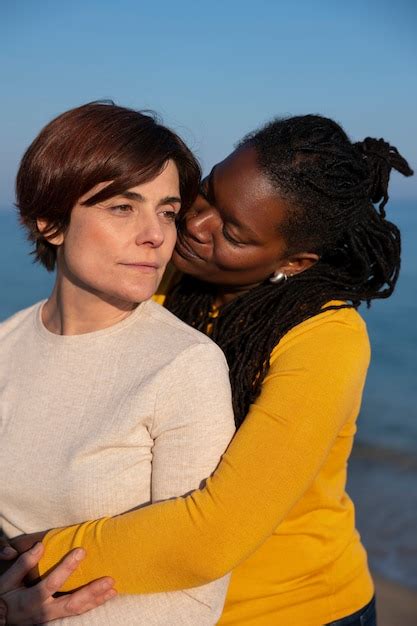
[212, 70]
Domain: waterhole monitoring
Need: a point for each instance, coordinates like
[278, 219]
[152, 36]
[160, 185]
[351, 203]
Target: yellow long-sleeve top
[275, 511]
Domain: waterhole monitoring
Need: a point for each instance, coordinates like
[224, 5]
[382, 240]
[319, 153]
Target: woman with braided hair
[286, 239]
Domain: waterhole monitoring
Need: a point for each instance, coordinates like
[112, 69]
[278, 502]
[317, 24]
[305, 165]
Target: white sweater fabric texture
[100, 423]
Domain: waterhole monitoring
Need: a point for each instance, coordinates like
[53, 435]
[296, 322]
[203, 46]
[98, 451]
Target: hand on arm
[11, 548]
[7, 552]
[22, 543]
[21, 605]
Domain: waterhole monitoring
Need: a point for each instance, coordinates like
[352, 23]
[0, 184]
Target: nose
[149, 231]
[200, 223]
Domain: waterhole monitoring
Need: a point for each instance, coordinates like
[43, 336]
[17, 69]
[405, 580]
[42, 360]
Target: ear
[297, 263]
[43, 227]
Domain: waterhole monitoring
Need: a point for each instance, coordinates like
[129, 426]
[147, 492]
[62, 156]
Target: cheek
[170, 238]
[88, 248]
[234, 258]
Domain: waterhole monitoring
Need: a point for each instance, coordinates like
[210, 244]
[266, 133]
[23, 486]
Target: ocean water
[383, 470]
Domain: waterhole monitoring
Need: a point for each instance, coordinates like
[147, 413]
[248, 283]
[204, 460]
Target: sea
[383, 468]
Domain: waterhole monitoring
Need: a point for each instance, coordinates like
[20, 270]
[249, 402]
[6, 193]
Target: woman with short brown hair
[92, 423]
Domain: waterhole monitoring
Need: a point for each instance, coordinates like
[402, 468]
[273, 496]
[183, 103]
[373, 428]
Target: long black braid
[331, 186]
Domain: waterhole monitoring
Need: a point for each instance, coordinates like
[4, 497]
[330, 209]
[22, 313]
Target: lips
[185, 250]
[141, 263]
[144, 267]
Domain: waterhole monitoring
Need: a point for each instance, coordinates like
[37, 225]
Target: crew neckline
[84, 337]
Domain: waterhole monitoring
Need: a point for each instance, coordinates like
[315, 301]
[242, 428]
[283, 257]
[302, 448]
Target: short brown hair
[83, 147]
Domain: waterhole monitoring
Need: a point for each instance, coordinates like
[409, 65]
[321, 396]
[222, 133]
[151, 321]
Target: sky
[213, 71]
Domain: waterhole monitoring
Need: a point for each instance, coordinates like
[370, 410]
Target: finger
[7, 552]
[14, 576]
[54, 581]
[89, 597]
[21, 543]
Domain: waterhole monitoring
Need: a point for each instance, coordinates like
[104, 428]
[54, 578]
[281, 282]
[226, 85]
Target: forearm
[191, 541]
[21, 605]
[194, 546]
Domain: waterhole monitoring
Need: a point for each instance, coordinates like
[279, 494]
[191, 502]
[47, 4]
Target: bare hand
[36, 605]
[7, 552]
[11, 548]
[23, 543]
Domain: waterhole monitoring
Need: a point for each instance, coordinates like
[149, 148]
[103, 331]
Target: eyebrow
[247, 229]
[133, 195]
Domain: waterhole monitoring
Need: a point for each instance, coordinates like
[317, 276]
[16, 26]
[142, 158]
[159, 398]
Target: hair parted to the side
[331, 186]
[88, 145]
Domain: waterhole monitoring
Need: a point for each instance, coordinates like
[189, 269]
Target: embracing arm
[314, 384]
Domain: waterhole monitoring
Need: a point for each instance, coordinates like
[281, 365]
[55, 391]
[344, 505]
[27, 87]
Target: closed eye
[231, 239]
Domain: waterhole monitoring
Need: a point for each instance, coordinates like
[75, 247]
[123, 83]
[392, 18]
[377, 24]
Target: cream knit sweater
[100, 423]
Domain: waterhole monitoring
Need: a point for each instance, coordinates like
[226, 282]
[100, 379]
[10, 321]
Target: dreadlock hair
[331, 186]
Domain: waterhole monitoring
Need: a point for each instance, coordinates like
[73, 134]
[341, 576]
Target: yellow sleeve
[314, 384]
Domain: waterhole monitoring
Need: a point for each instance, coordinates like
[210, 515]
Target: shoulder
[192, 363]
[335, 330]
[322, 362]
[158, 314]
[177, 336]
[19, 322]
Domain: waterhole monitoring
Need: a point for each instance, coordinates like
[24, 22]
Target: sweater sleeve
[314, 384]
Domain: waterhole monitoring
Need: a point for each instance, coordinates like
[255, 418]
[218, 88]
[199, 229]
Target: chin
[145, 294]
[133, 295]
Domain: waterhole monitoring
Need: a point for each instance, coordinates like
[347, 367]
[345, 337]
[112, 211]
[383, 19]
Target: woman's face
[231, 236]
[118, 249]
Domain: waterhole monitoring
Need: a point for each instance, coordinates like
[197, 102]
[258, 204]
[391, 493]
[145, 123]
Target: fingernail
[8, 551]
[110, 594]
[106, 584]
[79, 554]
[35, 549]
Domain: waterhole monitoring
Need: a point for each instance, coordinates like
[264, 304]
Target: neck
[71, 310]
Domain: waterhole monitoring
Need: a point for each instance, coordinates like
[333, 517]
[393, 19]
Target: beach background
[215, 71]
